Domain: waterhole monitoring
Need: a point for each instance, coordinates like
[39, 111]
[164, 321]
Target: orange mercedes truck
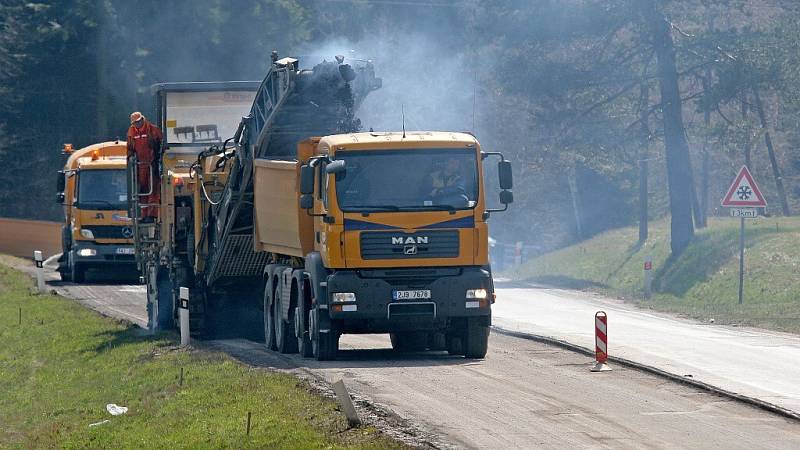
[97, 232]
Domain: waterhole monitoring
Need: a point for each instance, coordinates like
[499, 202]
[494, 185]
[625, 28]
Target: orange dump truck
[96, 233]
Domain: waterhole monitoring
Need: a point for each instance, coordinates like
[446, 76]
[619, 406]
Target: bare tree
[679, 171]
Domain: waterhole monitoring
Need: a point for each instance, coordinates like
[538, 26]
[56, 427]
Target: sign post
[183, 316]
[741, 261]
[37, 258]
[743, 197]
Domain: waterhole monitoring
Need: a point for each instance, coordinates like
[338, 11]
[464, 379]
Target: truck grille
[107, 231]
[422, 244]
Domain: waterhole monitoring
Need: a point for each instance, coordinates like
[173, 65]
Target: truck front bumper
[91, 254]
[375, 310]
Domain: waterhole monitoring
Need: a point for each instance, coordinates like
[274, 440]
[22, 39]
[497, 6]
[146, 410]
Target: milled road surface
[524, 394]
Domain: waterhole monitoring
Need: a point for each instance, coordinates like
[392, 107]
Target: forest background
[613, 112]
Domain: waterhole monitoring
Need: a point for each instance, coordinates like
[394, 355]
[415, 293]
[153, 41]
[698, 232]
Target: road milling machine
[294, 226]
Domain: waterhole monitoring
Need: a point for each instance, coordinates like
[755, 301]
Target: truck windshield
[102, 189]
[396, 180]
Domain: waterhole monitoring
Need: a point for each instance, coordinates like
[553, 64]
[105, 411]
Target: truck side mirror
[61, 181]
[336, 167]
[506, 197]
[504, 172]
[306, 201]
[306, 180]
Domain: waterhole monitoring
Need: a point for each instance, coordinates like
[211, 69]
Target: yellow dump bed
[281, 226]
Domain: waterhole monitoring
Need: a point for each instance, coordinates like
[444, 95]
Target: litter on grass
[99, 423]
[116, 410]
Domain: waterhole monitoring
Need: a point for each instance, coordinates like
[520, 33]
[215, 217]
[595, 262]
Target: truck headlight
[344, 297]
[87, 251]
[477, 293]
[87, 233]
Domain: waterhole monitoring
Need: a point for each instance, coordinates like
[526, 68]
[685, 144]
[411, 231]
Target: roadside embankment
[62, 364]
[22, 237]
[701, 283]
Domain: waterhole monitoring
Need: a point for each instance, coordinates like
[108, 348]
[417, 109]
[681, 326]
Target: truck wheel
[197, 316]
[454, 344]
[284, 335]
[324, 346]
[477, 339]
[301, 333]
[77, 273]
[437, 341]
[409, 342]
[159, 300]
[66, 275]
[269, 320]
[166, 301]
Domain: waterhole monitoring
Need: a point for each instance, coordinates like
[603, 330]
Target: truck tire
[65, 276]
[284, 333]
[324, 346]
[77, 273]
[409, 341]
[455, 345]
[476, 339]
[301, 332]
[197, 316]
[269, 320]
[437, 341]
[185, 278]
[160, 314]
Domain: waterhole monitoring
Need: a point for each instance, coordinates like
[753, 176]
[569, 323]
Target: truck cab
[97, 232]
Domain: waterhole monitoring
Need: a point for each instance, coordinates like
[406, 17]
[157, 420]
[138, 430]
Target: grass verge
[702, 282]
[63, 364]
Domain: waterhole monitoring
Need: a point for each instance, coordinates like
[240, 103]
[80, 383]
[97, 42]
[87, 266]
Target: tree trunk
[643, 164]
[706, 169]
[776, 171]
[706, 160]
[101, 133]
[679, 173]
[748, 145]
[699, 219]
[573, 193]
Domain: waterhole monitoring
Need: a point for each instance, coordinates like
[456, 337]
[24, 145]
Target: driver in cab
[448, 178]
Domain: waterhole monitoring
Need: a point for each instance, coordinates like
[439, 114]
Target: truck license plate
[411, 295]
[125, 251]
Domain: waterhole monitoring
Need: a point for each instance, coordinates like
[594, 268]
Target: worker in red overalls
[144, 139]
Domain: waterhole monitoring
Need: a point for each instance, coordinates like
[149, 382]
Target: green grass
[60, 368]
[702, 282]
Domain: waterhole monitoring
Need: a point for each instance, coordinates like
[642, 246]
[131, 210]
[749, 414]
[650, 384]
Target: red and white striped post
[601, 342]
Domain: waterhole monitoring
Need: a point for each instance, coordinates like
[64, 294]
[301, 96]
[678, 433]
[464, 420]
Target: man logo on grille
[127, 232]
[410, 250]
[410, 240]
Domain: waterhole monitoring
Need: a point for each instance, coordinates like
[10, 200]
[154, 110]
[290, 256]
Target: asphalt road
[755, 363]
[524, 394]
